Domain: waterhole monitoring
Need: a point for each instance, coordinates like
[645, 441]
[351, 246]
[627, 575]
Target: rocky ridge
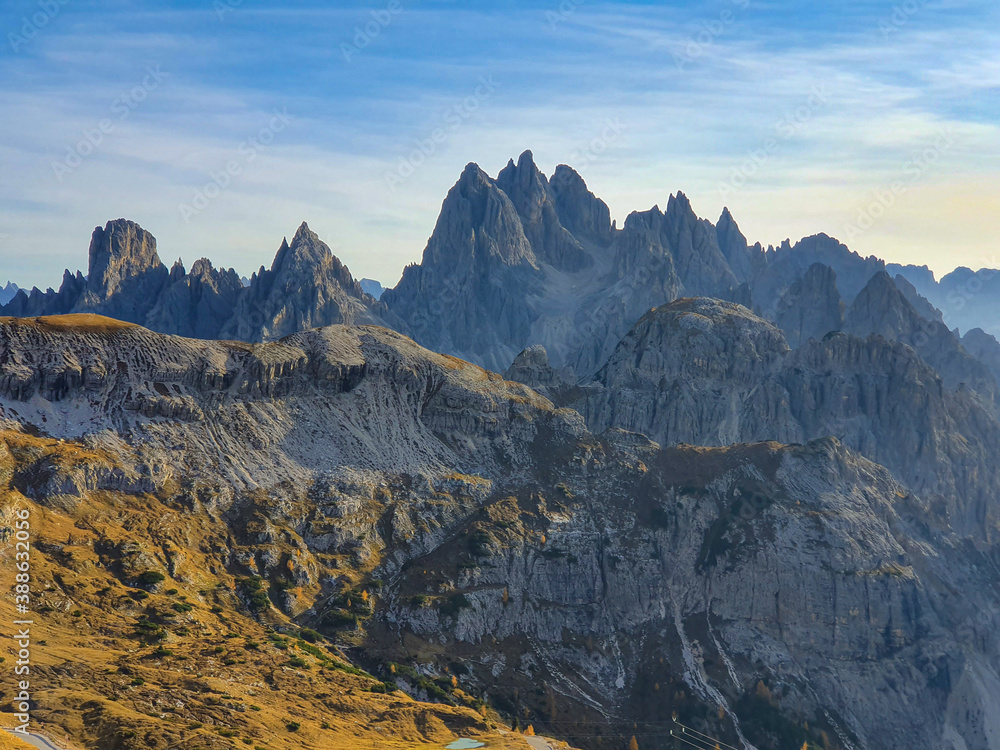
[602, 579]
[516, 261]
[306, 286]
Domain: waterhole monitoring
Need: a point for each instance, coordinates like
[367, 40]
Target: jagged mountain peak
[120, 250]
[524, 183]
[679, 202]
[473, 174]
[306, 246]
[880, 307]
[304, 233]
[477, 222]
[579, 210]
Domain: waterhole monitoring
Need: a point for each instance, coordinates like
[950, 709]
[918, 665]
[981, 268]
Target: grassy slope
[184, 664]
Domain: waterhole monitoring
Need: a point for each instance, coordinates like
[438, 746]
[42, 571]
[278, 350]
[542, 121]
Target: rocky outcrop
[532, 368]
[125, 275]
[711, 373]
[696, 371]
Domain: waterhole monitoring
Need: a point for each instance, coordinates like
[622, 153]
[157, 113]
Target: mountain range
[752, 490]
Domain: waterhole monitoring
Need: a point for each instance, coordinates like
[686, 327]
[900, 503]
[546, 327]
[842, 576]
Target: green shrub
[338, 618]
[310, 635]
[150, 578]
[254, 592]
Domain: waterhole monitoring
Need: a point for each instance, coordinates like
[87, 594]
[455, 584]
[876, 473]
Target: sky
[221, 125]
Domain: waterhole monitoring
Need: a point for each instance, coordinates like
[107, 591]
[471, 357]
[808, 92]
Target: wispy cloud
[683, 127]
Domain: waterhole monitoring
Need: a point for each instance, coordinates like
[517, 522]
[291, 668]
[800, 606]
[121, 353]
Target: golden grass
[9, 741]
[79, 322]
[98, 682]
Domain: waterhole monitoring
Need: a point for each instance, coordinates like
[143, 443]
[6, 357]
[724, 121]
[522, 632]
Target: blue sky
[220, 125]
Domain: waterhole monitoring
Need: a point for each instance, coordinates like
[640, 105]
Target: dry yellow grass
[222, 678]
[82, 322]
[9, 741]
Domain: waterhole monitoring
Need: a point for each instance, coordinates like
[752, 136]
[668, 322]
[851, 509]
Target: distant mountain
[372, 287]
[522, 260]
[306, 286]
[7, 293]
[526, 260]
[967, 299]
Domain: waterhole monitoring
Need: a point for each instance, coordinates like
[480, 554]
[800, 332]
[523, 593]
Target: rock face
[195, 304]
[882, 309]
[306, 287]
[692, 372]
[811, 307]
[711, 373]
[522, 260]
[126, 274]
[582, 581]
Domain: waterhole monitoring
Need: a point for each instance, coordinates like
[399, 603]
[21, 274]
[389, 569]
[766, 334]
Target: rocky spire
[125, 275]
[306, 287]
[743, 260]
[579, 210]
[119, 252]
[700, 264]
[534, 201]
